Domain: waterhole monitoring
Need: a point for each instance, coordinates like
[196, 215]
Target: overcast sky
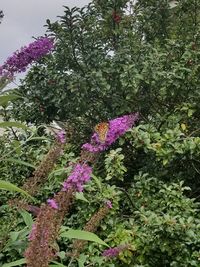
[24, 19]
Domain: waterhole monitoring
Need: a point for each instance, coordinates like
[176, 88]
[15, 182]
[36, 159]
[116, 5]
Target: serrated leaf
[83, 235]
[97, 182]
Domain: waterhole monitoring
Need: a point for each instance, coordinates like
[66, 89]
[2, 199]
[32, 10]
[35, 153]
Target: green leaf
[80, 196]
[98, 182]
[83, 235]
[6, 124]
[4, 99]
[82, 260]
[57, 264]
[11, 187]
[27, 218]
[20, 162]
[15, 263]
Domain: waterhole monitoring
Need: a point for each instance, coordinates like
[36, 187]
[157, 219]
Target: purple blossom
[20, 60]
[109, 204]
[114, 252]
[117, 127]
[52, 203]
[80, 174]
[32, 233]
[61, 136]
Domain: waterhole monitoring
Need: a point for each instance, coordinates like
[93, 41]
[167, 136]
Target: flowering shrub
[21, 59]
[117, 127]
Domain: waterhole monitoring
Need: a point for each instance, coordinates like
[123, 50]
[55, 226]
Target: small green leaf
[83, 235]
[4, 99]
[97, 182]
[11, 187]
[57, 264]
[27, 218]
[80, 196]
[6, 124]
[15, 263]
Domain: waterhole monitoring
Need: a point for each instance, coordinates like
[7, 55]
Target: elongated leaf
[97, 182]
[27, 218]
[57, 264]
[6, 124]
[83, 235]
[4, 99]
[15, 263]
[13, 188]
[37, 138]
[80, 196]
[21, 162]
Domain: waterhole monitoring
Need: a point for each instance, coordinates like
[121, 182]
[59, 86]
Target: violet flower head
[61, 136]
[109, 204]
[114, 252]
[52, 203]
[80, 174]
[117, 127]
[20, 60]
[31, 236]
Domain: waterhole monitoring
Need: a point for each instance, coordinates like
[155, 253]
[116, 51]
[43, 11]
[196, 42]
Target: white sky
[24, 19]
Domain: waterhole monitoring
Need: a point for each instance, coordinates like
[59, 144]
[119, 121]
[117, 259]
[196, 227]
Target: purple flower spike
[117, 127]
[32, 233]
[114, 252]
[52, 203]
[61, 136]
[80, 174]
[109, 204]
[20, 60]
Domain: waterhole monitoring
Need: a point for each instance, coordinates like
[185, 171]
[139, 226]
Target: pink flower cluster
[20, 60]
[117, 127]
[52, 203]
[61, 136]
[114, 252]
[80, 174]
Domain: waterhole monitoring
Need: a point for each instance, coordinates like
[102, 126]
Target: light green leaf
[83, 235]
[82, 260]
[97, 181]
[11, 187]
[4, 99]
[80, 196]
[27, 218]
[57, 264]
[6, 124]
[20, 162]
[15, 263]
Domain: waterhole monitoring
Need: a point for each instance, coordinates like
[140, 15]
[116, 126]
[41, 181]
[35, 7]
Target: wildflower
[78, 177]
[20, 60]
[52, 203]
[61, 136]
[109, 204]
[114, 252]
[117, 127]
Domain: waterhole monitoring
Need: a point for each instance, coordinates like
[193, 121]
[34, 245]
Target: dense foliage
[141, 193]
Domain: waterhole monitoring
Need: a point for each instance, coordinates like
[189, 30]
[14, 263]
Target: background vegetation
[111, 58]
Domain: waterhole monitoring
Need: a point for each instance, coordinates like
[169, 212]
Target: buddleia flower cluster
[49, 220]
[117, 127]
[22, 58]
